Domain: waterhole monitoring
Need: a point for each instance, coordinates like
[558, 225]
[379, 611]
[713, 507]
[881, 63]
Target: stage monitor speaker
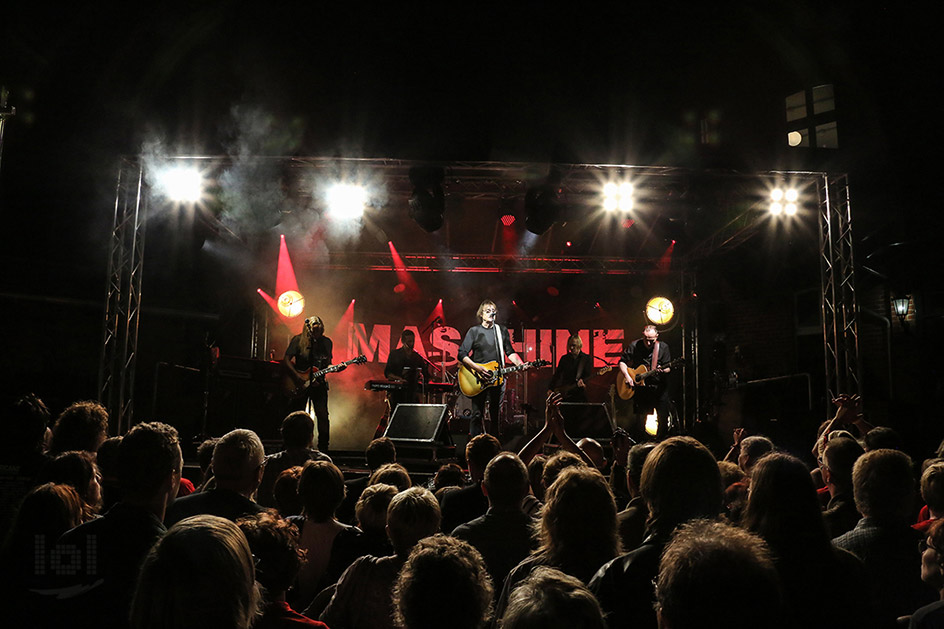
[419, 424]
[587, 420]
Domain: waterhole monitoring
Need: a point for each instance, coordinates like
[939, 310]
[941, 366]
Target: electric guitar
[295, 389]
[471, 383]
[639, 375]
[564, 389]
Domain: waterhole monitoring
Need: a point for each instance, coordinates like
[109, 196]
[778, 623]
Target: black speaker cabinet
[419, 424]
[587, 420]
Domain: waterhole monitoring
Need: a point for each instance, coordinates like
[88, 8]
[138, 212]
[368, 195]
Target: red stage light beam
[665, 262]
[509, 237]
[342, 330]
[436, 317]
[269, 300]
[285, 274]
[403, 275]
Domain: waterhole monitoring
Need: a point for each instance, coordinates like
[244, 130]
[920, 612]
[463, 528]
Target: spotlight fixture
[428, 202]
[181, 184]
[291, 304]
[783, 201]
[618, 196]
[659, 310]
[346, 201]
[542, 204]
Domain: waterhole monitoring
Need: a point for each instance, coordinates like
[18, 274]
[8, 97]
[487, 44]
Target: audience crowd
[105, 532]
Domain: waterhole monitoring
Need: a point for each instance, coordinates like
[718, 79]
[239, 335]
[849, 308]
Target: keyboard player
[407, 367]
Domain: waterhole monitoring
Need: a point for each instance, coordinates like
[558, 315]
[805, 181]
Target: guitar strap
[655, 356]
[501, 349]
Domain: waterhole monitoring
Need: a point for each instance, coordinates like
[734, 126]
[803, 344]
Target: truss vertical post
[123, 297]
[5, 112]
[691, 405]
[837, 274]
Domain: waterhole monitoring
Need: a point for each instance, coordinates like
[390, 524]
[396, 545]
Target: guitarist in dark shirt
[481, 346]
[573, 369]
[308, 351]
[654, 394]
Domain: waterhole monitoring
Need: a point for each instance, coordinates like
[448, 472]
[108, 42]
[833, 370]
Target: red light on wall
[508, 220]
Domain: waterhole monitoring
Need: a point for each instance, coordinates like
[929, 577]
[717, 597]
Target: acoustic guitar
[639, 375]
[471, 383]
[295, 389]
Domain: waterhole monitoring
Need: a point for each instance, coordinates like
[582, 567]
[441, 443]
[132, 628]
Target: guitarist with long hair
[655, 356]
[311, 350]
[482, 344]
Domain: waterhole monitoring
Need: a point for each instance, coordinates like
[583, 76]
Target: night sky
[583, 83]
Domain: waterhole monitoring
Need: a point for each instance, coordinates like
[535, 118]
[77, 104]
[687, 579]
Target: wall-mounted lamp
[901, 306]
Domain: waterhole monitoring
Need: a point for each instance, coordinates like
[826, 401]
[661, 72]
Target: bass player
[573, 369]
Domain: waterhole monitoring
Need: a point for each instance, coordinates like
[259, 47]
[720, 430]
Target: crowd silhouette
[107, 531]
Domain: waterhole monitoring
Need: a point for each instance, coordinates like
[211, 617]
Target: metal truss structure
[123, 297]
[499, 181]
[465, 263]
[837, 272]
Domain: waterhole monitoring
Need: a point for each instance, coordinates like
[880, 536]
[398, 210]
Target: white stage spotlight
[346, 201]
[618, 197]
[183, 184]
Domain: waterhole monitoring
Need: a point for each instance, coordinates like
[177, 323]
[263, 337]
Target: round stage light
[291, 303]
[659, 310]
[346, 201]
[776, 194]
[182, 184]
[790, 209]
[776, 209]
[791, 195]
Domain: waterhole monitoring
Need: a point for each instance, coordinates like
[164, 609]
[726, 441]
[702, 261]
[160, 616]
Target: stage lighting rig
[346, 201]
[181, 184]
[428, 202]
[618, 196]
[291, 304]
[659, 310]
[784, 202]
